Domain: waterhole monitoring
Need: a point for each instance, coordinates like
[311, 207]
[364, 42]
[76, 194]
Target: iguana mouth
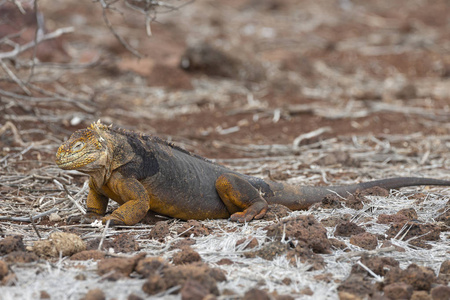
[64, 164]
[75, 163]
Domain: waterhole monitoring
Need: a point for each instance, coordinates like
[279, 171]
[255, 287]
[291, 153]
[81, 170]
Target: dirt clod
[159, 231]
[134, 297]
[347, 229]
[154, 284]
[193, 290]
[10, 244]
[269, 250]
[95, 294]
[178, 275]
[80, 277]
[276, 212]
[44, 295]
[306, 256]
[256, 294]
[286, 281]
[444, 271]
[192, 227]
[364, 240]
[395, 218]
[410, 213]
[88, 254]
[124, 243]
[378, 265]
[440, 292]
[420, 295]
[187, 255]
[445, 268]
[421, 232]
[117, 267]
[420, 278]
[398, 290]
[333, 221]
[225, 261]
[20, 257]
[305, 230]
[331, 201]
[58, 243]
[444, 218]
[151, 265]
[401, 217]
[355, 287]
[121, 243]
[3, 269]
[355, 201]
[183, 243]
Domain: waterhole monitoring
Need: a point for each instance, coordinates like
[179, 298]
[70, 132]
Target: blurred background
[226, 79]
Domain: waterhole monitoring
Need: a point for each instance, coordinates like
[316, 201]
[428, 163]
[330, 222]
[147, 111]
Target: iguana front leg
[242, 200]
[135, 201]
[96, 205]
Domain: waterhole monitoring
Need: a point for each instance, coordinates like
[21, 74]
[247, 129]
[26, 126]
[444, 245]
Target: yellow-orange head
[85, 150]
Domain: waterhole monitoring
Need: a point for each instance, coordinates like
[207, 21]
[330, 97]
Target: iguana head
[86, 150]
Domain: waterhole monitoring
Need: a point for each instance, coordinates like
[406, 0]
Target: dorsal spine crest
[98, 126]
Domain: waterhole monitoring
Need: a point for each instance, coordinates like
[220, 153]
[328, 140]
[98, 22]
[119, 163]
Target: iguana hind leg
[243, 201]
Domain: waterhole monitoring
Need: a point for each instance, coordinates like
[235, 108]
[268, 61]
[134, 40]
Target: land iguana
[143, 172]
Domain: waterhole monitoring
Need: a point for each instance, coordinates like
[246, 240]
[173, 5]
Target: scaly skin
[144, 173]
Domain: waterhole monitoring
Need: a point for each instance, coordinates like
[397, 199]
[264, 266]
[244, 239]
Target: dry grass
[39, 191]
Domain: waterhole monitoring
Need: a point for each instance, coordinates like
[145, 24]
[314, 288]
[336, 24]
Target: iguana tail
[302, 197]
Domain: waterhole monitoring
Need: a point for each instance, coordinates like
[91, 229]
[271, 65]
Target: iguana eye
[78, 146]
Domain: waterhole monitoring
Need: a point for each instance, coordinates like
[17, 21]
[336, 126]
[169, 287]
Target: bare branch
[14, 77]
[21, 48]
[10, 36]
[13, 128]
[114, 32]
[19, 6]
[28, 219]
[39, 30]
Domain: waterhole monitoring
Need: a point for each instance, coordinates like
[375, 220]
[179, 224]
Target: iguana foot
[245, 216]
[113, 221]
[238, 194]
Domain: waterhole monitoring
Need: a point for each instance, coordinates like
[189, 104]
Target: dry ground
[307, 92]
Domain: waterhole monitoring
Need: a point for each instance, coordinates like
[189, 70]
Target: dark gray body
[184, 185]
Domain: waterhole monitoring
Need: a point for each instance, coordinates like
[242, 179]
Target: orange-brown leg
[129, 213]
[243, 201]
[136, 201]
[96, 206]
